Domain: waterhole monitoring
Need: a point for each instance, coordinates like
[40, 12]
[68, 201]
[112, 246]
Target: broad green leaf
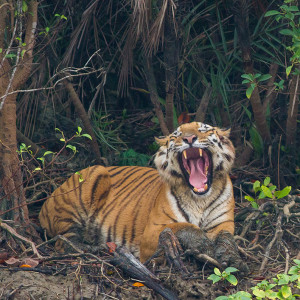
[257, 75]
[259, 293]
[62, 140]
[222, 298]
[217, 271]
[286, 291]
[256, 186]
[79, 129]
[283, 193]
[283, 279]
[37, 169]
[287, 32]
[87, 136]
[249, 198]
[264, 77]
[249, 91]
[232, 279]
[270, 294]
[271, 13]
[267, 181]
[254, 205]
[248, 76]
[267, 191]
[245, 81]
[215, 278]
[231, 270]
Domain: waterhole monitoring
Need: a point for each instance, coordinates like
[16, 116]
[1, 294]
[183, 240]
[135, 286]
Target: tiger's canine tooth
[205, 187]
[184, 154]
[200, 152]
[195, 190]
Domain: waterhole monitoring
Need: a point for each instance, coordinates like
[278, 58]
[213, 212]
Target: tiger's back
[98, 204]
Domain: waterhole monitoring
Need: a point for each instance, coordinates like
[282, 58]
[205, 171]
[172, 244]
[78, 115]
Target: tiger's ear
[162, 140]
[224, 132]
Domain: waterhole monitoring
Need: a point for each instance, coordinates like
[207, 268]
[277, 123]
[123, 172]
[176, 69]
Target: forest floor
[62, 277]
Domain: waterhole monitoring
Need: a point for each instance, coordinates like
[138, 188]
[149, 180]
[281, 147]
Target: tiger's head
[194, 155]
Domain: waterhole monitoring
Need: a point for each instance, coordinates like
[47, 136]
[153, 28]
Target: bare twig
[18, 236]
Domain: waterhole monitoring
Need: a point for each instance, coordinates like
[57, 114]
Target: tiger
[189, 192]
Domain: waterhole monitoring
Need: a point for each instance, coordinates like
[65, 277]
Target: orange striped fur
[131, 206]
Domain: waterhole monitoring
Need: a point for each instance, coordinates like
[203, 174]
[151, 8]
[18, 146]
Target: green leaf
[232, 279]
[217, 271]
[248, 76]
[288, 70]
[73, 148]
[271, 13]
[283, 193]
[215, 278]
[286, 291]
[245, 81]
[79, 130]
[259, 293]
[264, 77]
[37, 169]
[249, 198]
[287, 32]
[254, 205]
[222, 298]
[231, 270]
[256, 186]
[267, 181]
[283, 279]
[24, 6]
[62, 140]
[267, 191]
[249, 91]
[87, 136]
[11, 55]
[80, 176]
[47, 152]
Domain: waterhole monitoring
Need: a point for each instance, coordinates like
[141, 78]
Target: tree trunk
[12, 77]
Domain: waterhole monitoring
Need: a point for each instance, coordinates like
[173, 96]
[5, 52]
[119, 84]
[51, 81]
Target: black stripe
[211, 228]
[218, 196]
[82, 204]
[129, 184]
[176, 174]
[97, 181]
[132, 171]
[217, 217]
[121, 170]
[227, 156]
[124, 235]
[184, 214]
[174, 220]
[108, 238]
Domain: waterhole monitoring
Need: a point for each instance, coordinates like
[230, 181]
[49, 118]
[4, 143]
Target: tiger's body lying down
[190, 193]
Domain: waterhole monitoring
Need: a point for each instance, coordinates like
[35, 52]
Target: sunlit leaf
[283, 193]
[215, 278]
[271, 13]
[232, 279]
[267, 191]
[267, 181]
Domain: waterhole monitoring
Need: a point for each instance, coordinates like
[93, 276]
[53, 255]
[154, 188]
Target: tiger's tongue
[197, 177]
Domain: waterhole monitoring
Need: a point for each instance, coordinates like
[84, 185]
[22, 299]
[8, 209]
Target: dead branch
[277, 236]
[18, 236]
[134, 268]
[85, 119]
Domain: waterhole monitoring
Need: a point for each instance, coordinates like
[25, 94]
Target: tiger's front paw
[226, 252]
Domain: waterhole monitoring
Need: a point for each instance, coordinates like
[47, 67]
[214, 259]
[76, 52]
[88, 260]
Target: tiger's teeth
[184, 154]
[205, 187]
[200, 152]
[195, 190]
[206, 170]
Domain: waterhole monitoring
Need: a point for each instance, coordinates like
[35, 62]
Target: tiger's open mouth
[196, 165]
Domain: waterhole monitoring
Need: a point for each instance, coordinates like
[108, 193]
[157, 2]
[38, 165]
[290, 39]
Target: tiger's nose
[190, 139]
